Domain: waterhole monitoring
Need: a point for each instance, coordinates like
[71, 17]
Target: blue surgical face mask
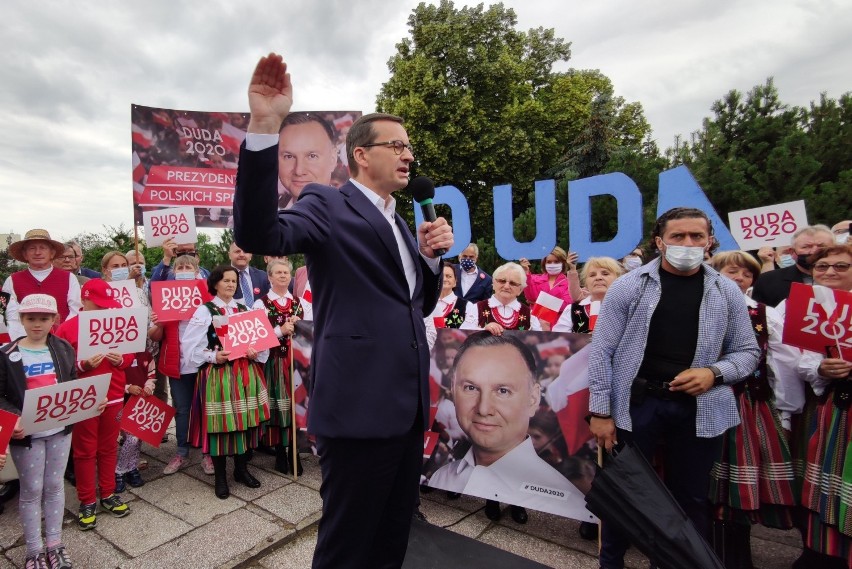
[785, 261]
[119, 274]
[184, 276]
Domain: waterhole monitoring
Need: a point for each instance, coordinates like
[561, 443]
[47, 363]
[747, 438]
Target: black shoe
[519, 514]
[134, 478]
[453, 495]
[120, 487]
[9, 490]
[426, 489]
[165, 438]
[588, 530]
[241, 473]
[492, 510]
[418, 515]
[220, 483]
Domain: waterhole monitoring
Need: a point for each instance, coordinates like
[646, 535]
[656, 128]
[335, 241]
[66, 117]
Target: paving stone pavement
[176, 521]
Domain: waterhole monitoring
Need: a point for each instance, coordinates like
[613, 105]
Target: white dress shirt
[193, 340]
[468, 278]
[507, 311]
[13, 320]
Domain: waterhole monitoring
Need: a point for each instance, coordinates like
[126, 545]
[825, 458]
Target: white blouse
[193, 341]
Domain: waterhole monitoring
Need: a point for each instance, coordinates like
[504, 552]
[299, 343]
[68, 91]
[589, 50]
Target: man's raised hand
[270, 95]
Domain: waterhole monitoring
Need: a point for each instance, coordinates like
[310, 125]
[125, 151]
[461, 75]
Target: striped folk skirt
[277, 373]
[827, 485]
[229, 405]
[754, 476]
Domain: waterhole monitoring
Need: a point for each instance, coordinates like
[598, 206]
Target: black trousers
[369, 491]
[688, 460]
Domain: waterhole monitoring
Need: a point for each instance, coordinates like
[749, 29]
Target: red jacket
[69, 331]
[168, 363]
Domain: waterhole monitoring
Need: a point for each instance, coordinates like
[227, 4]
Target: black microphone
[423, 190]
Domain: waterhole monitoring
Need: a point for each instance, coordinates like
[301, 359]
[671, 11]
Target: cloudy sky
[71, 71]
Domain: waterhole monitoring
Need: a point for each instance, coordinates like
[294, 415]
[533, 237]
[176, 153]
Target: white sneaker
[175, 464]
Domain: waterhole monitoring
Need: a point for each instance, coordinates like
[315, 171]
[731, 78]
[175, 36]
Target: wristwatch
[718, 378]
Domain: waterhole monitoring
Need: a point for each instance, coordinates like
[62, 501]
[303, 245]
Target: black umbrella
[628, 494]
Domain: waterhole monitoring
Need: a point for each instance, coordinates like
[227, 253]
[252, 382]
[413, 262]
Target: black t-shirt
[673, 332]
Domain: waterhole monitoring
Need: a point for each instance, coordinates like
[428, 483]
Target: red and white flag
[547, 308]
[141, 136]
[568, 396]
[232, 137]
[557, 347]
[138, 168]
[594, 309]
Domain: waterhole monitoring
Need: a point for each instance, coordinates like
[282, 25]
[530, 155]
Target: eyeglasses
[501, 282]
[190, 253]
[398, 146]
[68, 257]
[839, 267]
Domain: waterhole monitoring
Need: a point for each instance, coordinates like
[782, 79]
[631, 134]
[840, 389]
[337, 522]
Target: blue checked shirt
[725, 339]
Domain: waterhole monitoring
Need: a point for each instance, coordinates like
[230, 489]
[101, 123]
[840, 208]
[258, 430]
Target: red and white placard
[126, 293]
[819, 319]
[146, 418]
[248, 330]
[769, 225]
[178, 300]
[63, 403]
[430, 441]
[176, 223]
[119, 330]
[7, 427]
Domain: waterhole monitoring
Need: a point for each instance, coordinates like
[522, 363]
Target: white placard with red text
[119, 330]
[248, 330]
[146, 418]
[819, 327]
[772, 225]
[178, 300]
[63, 404]
[176, 223]
[126, 293]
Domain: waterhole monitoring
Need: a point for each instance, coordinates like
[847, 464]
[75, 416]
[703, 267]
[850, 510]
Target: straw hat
[16, 249]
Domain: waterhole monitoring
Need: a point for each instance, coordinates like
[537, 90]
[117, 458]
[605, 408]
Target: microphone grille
[422, 188]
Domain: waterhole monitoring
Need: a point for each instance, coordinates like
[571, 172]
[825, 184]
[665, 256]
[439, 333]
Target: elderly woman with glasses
[827, 485]
[502, 312]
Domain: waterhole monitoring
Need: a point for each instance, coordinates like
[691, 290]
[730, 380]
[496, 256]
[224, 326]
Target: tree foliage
[484, 106]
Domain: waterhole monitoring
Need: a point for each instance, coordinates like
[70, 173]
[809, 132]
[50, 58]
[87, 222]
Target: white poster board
[119, 330]
[63, 404]
[177, 223]
[771, 225]
[126, 293]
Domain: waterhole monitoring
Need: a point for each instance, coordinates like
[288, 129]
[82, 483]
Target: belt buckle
[666, 385]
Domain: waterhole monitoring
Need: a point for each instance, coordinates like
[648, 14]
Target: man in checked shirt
[671, 338]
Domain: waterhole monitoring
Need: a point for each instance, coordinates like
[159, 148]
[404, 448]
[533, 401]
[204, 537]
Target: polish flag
[435, 376]
[141, 136]
[568, 396]
[162, 118]
[547, 308]
[138, 168]
[594, 309]
[187, 122]
[343, 122]
[232, 137]
[301, 353]
[558, 347]
[300, 392]
[221, 116]
[301, 417]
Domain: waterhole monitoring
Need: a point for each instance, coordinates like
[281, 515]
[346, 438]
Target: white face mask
[184, 276]
[841, 238]
[553, 268]
[632, 263]
[684, 258]
[119, 274]
[785, 261]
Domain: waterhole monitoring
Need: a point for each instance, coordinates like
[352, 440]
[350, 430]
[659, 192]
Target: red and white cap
[99, 292]
[38, 303]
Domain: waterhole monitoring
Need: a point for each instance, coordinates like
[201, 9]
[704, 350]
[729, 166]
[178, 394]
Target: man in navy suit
[252, 283]
[472, 283]
[375, 284]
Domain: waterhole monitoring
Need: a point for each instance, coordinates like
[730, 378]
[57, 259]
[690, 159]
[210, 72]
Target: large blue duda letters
[677, 188]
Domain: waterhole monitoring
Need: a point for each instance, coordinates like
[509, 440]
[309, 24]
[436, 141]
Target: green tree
[484, 106]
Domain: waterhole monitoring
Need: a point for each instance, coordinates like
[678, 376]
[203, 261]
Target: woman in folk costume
[597, 275]
[827, 485]
[753, 482]
[503, 312]
[451, 311]
[231, 399]
[283, 310]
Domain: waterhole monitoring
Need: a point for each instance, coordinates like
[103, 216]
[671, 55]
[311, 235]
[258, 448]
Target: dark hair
[362, 133]
[485, 339]
[681, 213]
[307, 118]
[826, 251]
[217, 275]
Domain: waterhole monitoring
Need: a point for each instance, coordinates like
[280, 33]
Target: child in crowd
[38, 359]
[95, 445]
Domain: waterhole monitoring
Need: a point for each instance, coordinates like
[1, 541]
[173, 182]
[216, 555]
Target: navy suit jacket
[89, 273]
[481, 289]
[773, 287]
[259, 282]
[370, 360]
